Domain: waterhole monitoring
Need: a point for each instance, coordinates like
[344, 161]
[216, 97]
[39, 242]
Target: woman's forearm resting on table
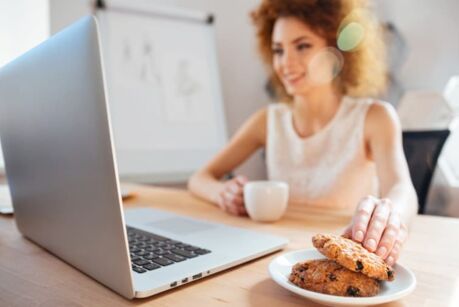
[205, 186]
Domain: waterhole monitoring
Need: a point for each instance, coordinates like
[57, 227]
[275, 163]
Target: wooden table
[29, 276]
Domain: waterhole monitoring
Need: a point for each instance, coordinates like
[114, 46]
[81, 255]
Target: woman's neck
[312, 111]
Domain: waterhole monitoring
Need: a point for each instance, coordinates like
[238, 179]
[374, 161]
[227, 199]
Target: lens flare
[353, 28]
[350, 36]
[325, 66]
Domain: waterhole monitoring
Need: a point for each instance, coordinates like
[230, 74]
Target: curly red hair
[364, 69]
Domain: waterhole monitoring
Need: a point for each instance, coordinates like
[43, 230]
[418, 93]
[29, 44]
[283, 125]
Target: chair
[422, 149]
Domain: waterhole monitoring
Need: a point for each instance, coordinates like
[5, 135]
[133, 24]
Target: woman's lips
[293, 79]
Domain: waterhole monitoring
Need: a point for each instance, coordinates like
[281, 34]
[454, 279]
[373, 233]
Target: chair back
[422, 149]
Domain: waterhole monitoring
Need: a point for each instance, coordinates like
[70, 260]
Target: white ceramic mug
[266, 201]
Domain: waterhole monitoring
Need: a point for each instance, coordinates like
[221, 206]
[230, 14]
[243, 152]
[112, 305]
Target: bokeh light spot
[325, 66]
[350, 36]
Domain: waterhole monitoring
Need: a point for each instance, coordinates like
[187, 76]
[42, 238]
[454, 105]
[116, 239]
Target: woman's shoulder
[376, 110]
[260, 119]
[277, 109]
[381, 114]
[262, 115]
[381, 111]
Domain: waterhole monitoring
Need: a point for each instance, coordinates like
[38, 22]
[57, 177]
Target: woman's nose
[290, 59]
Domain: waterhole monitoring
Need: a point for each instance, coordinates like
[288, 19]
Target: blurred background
[423, 56]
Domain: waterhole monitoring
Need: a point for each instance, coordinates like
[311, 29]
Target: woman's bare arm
[206, 183]
[386, 148]
[382, 224]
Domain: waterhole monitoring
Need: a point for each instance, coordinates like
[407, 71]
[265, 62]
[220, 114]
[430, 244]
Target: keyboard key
[135, 258]
[202, 251]
[162, 261]
[175, 258]
[160, 252]
[152, 248]
[159, 244]
[151, 266]
[150, 257]
[158, 238]
[139, 270]
[183, 253]
[142, 253]
[141, 262]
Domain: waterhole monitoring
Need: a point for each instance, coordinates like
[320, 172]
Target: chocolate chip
[332, 276]
[390, 274]
[359, 266]
[352, 291]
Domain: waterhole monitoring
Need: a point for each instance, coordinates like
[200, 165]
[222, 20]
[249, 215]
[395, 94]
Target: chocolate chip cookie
[353, 256]
[327, 276]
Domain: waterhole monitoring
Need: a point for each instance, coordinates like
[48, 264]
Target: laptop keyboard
[150, 251]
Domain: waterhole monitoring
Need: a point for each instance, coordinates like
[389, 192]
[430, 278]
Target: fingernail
[371, 244]
[359, 235]
[381, 251]
[390, 261]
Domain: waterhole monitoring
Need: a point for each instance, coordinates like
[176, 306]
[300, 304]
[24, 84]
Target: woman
[335, 147]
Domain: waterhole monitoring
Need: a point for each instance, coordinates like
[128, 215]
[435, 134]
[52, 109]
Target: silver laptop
[61, 168]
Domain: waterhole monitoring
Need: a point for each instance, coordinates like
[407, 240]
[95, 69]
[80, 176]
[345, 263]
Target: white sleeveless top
[328, 168]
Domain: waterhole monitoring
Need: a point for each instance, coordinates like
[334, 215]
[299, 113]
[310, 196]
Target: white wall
[23, 24]
[431, 30]
[64, 12]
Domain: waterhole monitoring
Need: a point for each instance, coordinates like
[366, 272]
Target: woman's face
[300, 57]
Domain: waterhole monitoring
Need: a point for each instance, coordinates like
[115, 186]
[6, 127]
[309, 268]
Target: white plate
[281, 266]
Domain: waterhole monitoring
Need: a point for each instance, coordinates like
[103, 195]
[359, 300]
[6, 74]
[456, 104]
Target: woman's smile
[293, 79]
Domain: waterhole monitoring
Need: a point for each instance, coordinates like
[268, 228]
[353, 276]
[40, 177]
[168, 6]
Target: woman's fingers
[234, 187]
[378, 228]
[389, 236]
[241, 180]
[235, 209]
[377, 225]
[232, 200]
[362, 218]
[232, 196]
[395, 252]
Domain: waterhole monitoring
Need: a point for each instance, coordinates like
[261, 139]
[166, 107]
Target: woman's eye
[303, 46]
[278, 51]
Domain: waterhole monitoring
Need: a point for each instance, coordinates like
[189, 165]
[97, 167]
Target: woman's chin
[295, 91]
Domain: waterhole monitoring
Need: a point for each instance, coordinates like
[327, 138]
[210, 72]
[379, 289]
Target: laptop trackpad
[180, 226]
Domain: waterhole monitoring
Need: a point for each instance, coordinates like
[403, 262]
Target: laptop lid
[59, 156]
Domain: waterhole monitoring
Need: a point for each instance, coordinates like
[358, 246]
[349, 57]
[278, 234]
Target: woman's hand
[231, 198]
[379, 228]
